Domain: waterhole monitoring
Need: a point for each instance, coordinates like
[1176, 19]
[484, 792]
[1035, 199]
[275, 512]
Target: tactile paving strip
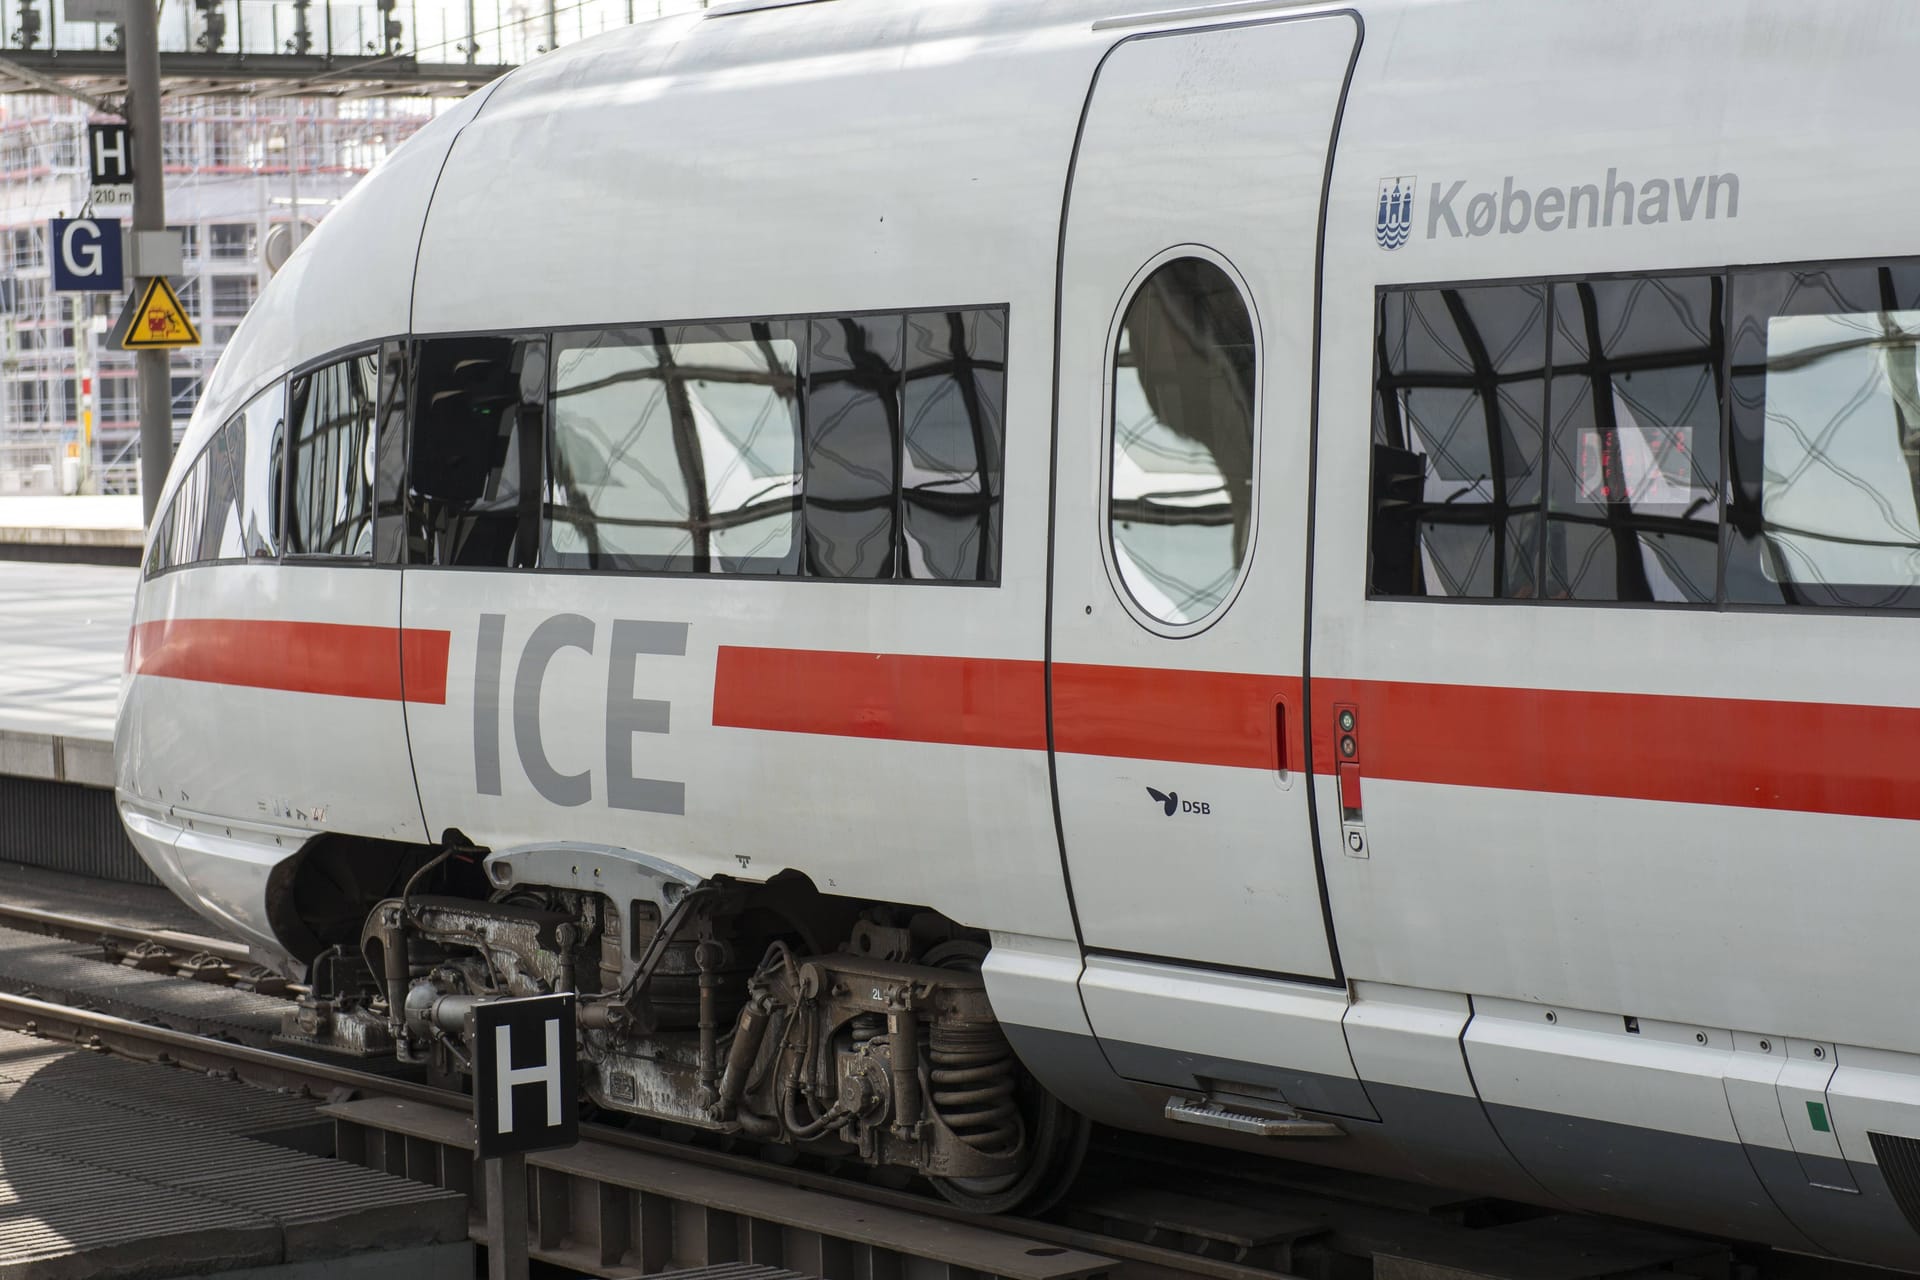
[109, 1168]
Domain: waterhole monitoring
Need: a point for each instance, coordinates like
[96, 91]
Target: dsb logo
[1171, 803]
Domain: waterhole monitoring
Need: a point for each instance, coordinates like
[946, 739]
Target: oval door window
[1180, 498]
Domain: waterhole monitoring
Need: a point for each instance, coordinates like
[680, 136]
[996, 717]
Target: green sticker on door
[1817, 1117]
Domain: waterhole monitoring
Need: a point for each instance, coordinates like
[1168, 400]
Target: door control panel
[1346, 748]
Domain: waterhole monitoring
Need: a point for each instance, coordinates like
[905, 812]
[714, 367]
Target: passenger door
[1186, 345]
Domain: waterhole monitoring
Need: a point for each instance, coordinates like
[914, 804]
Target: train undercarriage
[766, 1010]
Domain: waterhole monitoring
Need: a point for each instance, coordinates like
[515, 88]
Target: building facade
[238, 169]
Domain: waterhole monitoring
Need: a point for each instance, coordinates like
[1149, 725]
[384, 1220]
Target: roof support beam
[48, 84]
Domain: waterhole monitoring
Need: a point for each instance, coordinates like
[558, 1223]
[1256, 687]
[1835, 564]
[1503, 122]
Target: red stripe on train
[1747, 753]
[383, 663]
[1196, 717]
[1202, 717]
[1808, 756]
[975, 702]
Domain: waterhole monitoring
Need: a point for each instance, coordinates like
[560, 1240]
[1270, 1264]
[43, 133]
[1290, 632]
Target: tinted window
[1740, 437]
[1181, 479]
[330, 484]
[853, 434]
[222, 532]
[956, 377]
[264, 422]
[475, 472]
[1634, 472]
[1460, 399]
[1826, 438]
[189, 516]
[390, 461]
[227, 504]
[676, 449]
[834, 446]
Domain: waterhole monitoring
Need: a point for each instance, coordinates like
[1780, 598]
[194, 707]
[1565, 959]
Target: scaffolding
[235, 169]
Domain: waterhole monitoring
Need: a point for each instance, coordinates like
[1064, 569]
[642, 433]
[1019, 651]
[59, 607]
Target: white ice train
[1339, 579]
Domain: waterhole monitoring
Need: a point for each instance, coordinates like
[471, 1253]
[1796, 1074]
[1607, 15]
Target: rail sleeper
[618, 1213]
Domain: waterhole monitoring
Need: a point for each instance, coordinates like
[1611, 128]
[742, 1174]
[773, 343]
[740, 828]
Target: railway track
[432, 1114]
[187, 955]
[1149, 1211]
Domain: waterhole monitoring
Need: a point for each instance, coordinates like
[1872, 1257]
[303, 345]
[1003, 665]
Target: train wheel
[1051, 1136]
[1057, 1143]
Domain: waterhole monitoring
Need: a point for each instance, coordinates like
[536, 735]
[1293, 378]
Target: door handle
[1282, 758]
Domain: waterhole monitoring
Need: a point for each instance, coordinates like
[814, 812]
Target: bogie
[767, 1011]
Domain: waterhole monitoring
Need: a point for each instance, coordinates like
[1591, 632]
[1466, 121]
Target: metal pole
[83, 379]
[293, 179]
[151, 368]
[506, 1194]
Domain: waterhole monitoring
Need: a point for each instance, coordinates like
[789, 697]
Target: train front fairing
[1328, 628]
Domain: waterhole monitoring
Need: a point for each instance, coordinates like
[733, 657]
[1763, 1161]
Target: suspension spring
[867, 1026]
[973, 1075]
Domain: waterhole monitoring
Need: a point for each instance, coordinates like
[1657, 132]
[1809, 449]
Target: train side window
[676, 449]
[1460, 391]
[952, 444]
[157, 538]
[853, 446]
[330, 481]
[1825, 469]
[160, 539]
[265, 422]
[1634, 473]
[390, 457]
[221, 528]
[474, 474]
[1180, 478]
[189, 516]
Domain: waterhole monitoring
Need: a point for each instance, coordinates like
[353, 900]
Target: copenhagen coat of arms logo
[1394, 222]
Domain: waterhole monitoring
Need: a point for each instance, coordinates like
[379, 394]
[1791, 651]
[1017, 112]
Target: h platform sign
[110, 163]
[526, 1080]
[110, 151]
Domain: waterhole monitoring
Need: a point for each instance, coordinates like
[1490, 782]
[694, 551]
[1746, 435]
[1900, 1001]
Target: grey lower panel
[1647, 1174]
[1308, 1090]
[1696, 1184]
[1867, 1225]
[1434, 1138]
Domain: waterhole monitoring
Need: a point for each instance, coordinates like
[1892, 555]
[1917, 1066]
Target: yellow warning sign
[158, 321]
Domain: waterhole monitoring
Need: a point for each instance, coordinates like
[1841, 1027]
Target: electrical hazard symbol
[157, 322]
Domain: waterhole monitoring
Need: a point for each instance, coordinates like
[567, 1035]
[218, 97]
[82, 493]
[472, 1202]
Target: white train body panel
[1626, 866]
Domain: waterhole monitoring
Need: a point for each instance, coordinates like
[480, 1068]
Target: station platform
[112, 1169]
[103, 529]
[63, 643]
[63, 640]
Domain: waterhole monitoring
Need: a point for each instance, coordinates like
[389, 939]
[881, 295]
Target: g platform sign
[526, 1080]
[86, 254]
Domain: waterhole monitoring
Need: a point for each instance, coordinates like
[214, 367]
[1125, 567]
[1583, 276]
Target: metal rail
[86, 929]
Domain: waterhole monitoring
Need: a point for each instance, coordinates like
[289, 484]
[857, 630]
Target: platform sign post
[526, 1097]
